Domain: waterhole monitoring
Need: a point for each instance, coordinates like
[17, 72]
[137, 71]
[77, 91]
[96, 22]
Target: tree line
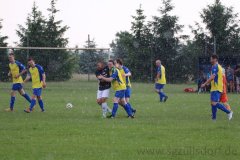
[139, 47]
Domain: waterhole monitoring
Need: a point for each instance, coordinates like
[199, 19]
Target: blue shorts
[159, 86]
[17, 87]
[120, 94]
[37, 91]
[128, 92]
[215, 96]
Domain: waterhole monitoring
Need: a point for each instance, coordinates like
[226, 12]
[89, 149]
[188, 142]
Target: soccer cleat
[134, 112]
[110, 116]
[27, 110]
[230, 116]
[132, 117]
[165, 99]
[8, 110]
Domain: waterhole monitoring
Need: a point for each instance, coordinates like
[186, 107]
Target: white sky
[102, 19]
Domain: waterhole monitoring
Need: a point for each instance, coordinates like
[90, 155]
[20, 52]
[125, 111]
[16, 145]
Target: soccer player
[216, 80]
[103, 88]
[126, 74]
[17, 69]
[119, 87]
[37, 74]
[224, 97]
[160, 81]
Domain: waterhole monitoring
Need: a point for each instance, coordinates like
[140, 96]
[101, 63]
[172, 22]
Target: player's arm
[158, 74]
[127, 72]
[27, 78]
[209, 80]
[101, 78]
[44, 80]
[22, 69]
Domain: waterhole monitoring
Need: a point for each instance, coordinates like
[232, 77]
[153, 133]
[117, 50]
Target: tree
[166, 38]
[42, 32]
[3, 56]
[59, 63]
[222, 24]
[89, 58]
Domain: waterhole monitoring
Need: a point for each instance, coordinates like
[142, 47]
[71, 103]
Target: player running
[37, 74]
[160, 81]
[17, 69]
[126, 74]
[103, 88]
[119, 88]
[224, 97]
[216, 80]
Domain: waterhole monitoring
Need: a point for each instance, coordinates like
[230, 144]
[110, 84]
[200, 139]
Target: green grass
[179, 129]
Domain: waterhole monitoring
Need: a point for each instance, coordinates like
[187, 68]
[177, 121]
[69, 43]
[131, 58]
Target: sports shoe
[165, 99]
[134, 112]
[230, 115]
[8, 110]
[27, 110]
[110, 116]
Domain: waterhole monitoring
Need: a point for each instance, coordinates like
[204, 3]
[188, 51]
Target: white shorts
[103, 94]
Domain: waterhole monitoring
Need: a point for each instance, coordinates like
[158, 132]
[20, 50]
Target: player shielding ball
[160, 81]
[126, 74]
[17, 69]
[119, 87]
[37, 74]
[103, 88]
[216, 80]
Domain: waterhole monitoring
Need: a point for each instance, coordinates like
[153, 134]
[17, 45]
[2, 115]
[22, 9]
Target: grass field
[180, 129]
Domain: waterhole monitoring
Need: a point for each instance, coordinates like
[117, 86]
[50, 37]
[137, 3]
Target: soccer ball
[69, 106]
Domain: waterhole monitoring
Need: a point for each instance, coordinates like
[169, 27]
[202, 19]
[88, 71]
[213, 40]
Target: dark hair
[119, 61]
[214, 56]
[11, 54]
[111, 61]
[30, 59]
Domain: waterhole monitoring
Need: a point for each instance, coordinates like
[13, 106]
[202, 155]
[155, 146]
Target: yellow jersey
[15, 69]
[117, 83]
[162, 78]
[126, 80]
[217, 83]
[36, 74]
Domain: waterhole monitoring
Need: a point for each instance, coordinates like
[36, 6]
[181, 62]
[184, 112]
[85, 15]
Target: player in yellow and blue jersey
[37, 74]
[160, 81]
[216, 81]
[126, 74]
[119, 87]
[17, 69]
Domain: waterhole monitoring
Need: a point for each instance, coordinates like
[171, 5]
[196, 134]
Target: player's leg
[12, 101]
[24, 94]
[105, 95]
[36, 93]
[115, 105]
[128, 93]
[40, 102]
[231, 86]
[215, 102]
[224, 101]
[127, 107]
[163, 96]
[157, 90]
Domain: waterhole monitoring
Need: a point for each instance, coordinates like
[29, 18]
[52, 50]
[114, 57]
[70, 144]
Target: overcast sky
[99, 18]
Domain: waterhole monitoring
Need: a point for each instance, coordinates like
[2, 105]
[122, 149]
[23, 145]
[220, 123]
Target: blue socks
[214, 112]
[26, 96]
[218, 106]
[162, 95]
[128, 109]
[33, 103]
[114, 110]
[12, 101]
[223, 108]
[40, 102]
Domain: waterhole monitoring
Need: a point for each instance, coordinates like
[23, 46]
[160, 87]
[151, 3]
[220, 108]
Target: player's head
[100, 65]
[118, 63]
[31, 62]
[11, 57]
[228, 66]
[110, 64]
[214, 59]
[158, 63]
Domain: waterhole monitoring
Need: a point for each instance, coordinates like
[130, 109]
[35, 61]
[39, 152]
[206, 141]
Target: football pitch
[180, 129]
